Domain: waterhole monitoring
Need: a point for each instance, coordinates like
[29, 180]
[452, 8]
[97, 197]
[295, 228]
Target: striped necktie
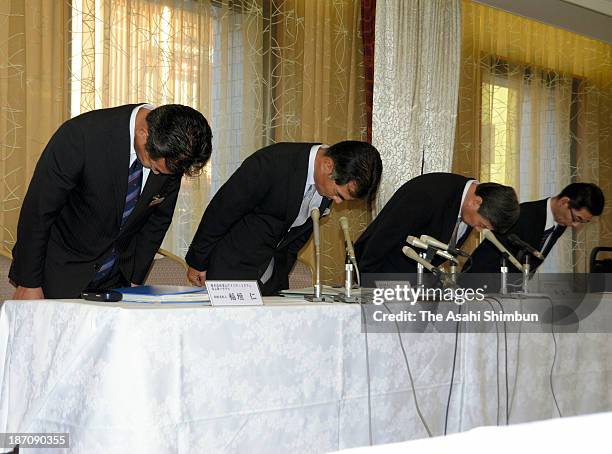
[131, 198]
[133, 190]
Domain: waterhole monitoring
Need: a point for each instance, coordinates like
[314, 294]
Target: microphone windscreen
[314, 214]
[344, 223]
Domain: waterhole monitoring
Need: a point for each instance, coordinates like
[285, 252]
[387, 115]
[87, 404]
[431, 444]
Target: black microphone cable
[505, 359]
[416, 402]
[552, 367]
[521, 298]
[496, 364]
[450, 388]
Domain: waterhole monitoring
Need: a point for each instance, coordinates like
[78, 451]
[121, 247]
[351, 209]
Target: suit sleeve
[244, 190]
[56, 175]
[296, 245]
[406, 217]
[485, 259]
[151, 235]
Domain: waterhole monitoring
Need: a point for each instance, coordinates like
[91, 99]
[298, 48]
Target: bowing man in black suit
[541, 223]
[442, 205]
[258, 221]
[102, 197]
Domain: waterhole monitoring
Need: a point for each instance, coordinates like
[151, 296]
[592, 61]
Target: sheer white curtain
[526, 138]
[534, 112]
[416, 84]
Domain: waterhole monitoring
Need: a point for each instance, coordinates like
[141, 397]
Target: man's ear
[328, 166]
[565, 200]
[477, 201]
[143, 133]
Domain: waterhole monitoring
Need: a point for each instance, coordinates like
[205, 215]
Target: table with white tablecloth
[289, 376]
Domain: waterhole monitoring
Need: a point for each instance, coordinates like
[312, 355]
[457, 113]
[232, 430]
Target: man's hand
[26, 293]
[196, 277]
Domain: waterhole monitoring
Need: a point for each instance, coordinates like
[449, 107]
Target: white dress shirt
[133, 156]
[463, 226]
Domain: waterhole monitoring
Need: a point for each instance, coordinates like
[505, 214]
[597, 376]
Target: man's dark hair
[182, 136]
[359, 162]
[584, 195]
[499, 205]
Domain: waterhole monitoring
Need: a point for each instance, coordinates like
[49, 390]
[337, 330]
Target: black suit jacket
[71, 215]
[530, 226]
[248, 220]
[426, 205]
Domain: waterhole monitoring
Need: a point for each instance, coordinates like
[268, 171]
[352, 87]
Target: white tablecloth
[277, 378]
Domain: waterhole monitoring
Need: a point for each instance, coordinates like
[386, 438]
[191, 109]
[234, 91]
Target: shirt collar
[133, 129]
[550, 218]
[465, 191]
[311, 162]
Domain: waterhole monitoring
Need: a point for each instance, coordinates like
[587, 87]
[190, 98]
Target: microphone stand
[453, 271]
[526, 274]
[503, 288]
[350, 264]
[318, 296]
[420, 271]
[439, 274]
[347, 296]
[431, 253]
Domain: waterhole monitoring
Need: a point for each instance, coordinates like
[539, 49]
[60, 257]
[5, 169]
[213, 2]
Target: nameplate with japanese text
[234, 293]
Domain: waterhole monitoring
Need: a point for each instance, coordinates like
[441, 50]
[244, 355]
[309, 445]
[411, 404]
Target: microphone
[493, 239]
[516, 240]
[414, 241]
[431, 241]
[412, 254]
[350, 251]
[347, 238]
[315, 215]
[440, 275]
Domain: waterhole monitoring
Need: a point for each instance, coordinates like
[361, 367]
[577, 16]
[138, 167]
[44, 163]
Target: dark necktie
[554, 233]
[453, 239]
[131, 198]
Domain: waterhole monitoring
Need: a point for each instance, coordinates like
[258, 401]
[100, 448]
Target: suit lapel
[153, 187]
[118, 158]
[531, 225]
[541, 209]
[297, 231]
[450, 221]
[465, 236]
[532, 221]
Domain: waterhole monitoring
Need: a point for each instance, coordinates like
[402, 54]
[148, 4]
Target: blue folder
[164, 294]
